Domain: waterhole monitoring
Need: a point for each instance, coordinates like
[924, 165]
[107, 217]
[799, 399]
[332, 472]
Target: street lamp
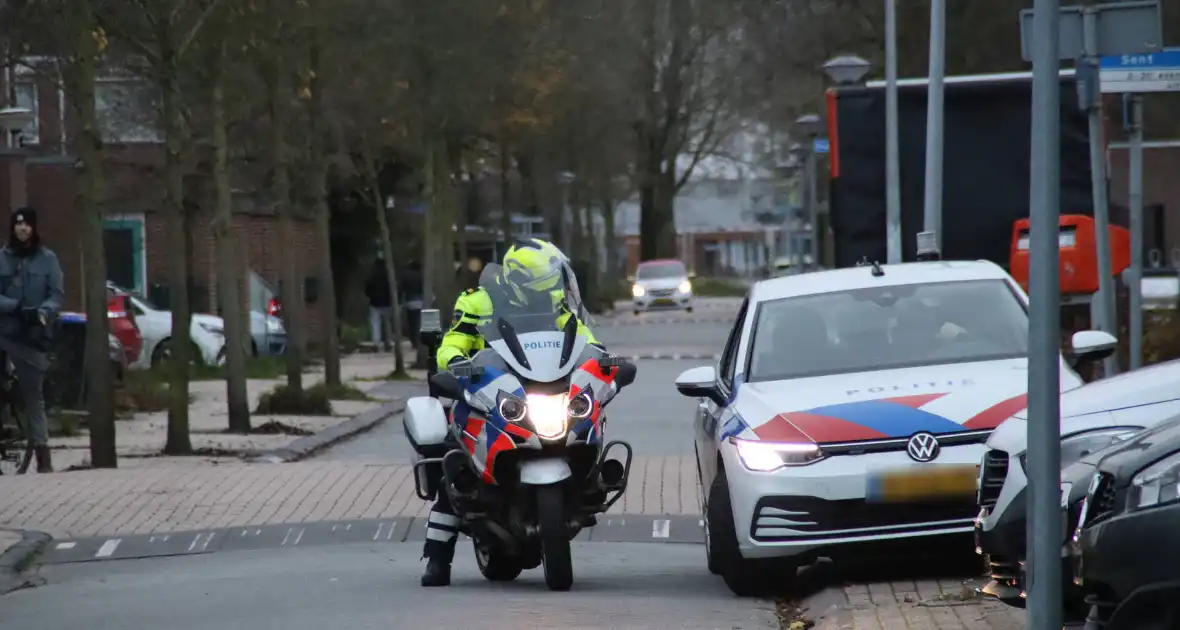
[811, 126]
[846, 69]
[13, 121]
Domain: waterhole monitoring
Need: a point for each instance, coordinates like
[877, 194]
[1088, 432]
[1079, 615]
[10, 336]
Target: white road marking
[201, 539]
[66, 545]
[676, 357]
[380, 527]
[108, 548]
[334, 528]
[389, 534]
[660, 527]
[701, 523]
[294, 541]
[244, 532]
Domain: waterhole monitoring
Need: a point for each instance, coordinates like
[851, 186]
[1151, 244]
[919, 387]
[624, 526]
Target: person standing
[380, 303]
[31, 291]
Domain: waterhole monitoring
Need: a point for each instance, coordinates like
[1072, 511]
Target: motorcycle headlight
[1075, 447]
[769, 456]
[581, 406]
[1158, 484]
[511, 408]
[548, 414]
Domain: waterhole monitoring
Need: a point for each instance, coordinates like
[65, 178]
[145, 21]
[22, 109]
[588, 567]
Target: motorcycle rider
[531, 268]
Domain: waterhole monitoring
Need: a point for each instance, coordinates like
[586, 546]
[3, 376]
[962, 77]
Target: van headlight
[549, 414]
[1158, 484]
[1075, 447]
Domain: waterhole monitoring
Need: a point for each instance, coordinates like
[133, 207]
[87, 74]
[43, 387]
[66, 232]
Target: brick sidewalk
[917, 605]
[156, 495]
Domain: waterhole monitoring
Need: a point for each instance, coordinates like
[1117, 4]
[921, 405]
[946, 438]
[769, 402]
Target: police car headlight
[769, 456]
[548, 414]
[1158, 484]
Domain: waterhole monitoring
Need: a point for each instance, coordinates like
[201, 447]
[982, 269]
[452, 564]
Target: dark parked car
[1125, 550]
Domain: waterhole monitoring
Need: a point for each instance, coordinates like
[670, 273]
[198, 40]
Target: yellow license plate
[923, 483]
[663, 302]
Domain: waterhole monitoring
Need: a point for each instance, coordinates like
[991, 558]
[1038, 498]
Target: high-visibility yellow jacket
[474, 307]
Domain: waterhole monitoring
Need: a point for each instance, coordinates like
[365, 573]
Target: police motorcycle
[521, 451]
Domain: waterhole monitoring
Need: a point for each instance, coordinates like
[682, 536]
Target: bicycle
[16, 446]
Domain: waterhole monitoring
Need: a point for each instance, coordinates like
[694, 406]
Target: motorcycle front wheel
[555, 542]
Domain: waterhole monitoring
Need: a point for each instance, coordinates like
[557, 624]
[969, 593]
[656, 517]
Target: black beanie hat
[23, 214]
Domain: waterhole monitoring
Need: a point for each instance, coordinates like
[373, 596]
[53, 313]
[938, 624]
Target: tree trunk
[505, 196]
[79, 76]
[229, 272]
[280, 188]
[319, 189]
[609, 238]
[395, 308]
[178, 441]
[440, 237]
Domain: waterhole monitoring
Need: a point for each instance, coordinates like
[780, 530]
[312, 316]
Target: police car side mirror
[1092, 345]
[700, 382]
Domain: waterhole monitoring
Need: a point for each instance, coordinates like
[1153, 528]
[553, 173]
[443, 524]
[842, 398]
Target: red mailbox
[1078, 264]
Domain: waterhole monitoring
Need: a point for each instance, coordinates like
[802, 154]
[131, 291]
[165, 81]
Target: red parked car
[123, 326]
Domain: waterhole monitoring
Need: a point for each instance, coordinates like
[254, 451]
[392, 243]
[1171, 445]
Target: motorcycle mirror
[447, 385]
[626, 374]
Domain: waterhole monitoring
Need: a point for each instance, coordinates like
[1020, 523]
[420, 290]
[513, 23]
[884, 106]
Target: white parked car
[207, 333]
[664, 284]
[851, 406]
[1093, 417]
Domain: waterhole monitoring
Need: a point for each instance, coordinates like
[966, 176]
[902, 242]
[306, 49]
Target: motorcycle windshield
[534, 321]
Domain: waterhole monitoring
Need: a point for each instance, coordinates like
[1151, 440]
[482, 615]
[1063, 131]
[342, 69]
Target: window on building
[26, 98]
[126, 110]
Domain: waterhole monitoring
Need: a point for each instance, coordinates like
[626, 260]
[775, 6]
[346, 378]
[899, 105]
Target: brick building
[43, 174]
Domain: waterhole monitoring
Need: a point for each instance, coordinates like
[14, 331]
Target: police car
[851, 407]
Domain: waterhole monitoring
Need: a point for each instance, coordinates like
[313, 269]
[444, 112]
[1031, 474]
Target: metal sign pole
[1091, 94]
[1044, 459]
[934, 122]
[1133, 105]
[892, 150]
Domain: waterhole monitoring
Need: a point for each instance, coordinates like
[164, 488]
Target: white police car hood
[1091, 406]
[886, 404]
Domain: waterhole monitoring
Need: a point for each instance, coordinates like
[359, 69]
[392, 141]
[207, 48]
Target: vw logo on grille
[923, 447]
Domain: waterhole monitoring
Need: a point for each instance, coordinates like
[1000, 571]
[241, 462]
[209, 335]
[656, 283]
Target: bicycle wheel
[16, 449]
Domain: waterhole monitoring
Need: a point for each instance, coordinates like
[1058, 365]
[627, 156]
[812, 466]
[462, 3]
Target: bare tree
[229, 270]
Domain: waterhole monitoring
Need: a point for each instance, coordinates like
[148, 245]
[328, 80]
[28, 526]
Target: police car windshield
[883, 328]
[519, 309]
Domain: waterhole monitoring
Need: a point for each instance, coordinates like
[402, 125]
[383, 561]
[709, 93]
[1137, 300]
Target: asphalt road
[371, 586]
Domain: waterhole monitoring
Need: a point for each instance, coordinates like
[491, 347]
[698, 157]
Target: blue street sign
[821, 145]
[1135, 74]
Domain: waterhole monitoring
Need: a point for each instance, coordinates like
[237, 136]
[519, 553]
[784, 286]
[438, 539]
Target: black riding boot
[442, 533]
[44, 461]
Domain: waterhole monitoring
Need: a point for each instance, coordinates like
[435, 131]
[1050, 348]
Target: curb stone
[675, 356]
[18, 557]
[641, 321]
[311, 444]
